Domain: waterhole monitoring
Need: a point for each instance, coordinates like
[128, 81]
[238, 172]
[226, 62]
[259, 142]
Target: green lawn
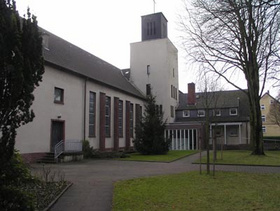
[192, 191]
[169, 157]
[245, 158]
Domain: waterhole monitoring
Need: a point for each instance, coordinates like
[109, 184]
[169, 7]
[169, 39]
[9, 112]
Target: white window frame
[262, 107]
[263, 118]
[264, 129]
[217, 112]
[186, 113]
[201, 111]
[233, 114]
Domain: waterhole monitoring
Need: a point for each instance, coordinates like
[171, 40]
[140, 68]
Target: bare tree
[209, 98]
[236, 37]
[274, 111]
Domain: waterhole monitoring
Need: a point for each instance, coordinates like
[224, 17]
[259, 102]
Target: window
[131, 120]
[148, 89]
[108, 116]
[186, 113]
[201, 113]
[173, 73]
[151, 28]
[262, 107]
[263, 118]
[233, 132]
[264, 129]
[271, 101]
[58, 95]
[217, 112]
[173, 92]
[148, 70]
[233, 111]
[172, 111]
[120, 118]
[92, 105]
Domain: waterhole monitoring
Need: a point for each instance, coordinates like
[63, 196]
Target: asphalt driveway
[92, 188]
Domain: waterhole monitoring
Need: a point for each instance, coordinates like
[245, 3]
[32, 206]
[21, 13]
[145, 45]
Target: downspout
[85, 107]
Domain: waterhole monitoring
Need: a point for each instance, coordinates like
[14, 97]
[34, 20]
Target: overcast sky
[106, 28]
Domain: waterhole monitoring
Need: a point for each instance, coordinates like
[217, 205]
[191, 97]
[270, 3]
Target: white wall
[162, 56]
[36, 136]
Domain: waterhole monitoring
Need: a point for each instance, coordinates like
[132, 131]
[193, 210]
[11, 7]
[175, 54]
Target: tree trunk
[256, 133]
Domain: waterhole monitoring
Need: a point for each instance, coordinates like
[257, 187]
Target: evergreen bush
[150, 131]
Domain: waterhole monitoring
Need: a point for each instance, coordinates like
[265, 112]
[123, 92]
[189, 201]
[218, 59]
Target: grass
[243, 157]
[191, 191]
[169, 157]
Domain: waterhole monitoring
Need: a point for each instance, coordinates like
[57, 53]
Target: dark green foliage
[88, 151]
[14, 179]
[150, 131]
[21, 69]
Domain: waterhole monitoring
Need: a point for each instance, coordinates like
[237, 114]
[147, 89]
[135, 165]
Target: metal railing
[70, 145]
[58, 149]
[73, 145]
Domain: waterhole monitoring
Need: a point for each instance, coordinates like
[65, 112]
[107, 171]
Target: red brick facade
[191, 94]
[102, 122]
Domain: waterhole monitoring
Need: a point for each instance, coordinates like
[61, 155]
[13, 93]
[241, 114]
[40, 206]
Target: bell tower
[154, 26]
[154, 64]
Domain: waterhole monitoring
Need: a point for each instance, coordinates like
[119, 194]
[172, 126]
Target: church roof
[66, 56]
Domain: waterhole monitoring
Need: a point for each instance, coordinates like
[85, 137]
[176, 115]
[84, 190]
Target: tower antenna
[154, 6]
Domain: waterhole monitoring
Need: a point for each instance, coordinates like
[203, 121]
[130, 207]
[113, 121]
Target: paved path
[92, 188]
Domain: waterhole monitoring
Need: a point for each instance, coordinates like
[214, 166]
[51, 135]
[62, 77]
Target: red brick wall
[116, 124]
[191, 94]
[102, 122]
[127, 125]
[32, 157]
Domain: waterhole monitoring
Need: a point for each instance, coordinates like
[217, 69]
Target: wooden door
[57, 133]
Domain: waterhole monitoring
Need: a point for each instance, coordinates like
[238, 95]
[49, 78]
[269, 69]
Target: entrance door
[57, 133]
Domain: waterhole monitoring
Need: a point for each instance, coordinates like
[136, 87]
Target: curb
[55, 200]
[229, 164]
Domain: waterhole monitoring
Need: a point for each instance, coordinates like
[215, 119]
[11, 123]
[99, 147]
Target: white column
[176, 143]
[192, 139]
[196, 140]
[185, 140]
[188, 139]
[240, 134]
[225, 133]
[180, 139]
[172, 138]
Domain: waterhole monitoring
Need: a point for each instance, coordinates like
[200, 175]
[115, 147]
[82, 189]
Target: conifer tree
[21, 70]
[150, 131]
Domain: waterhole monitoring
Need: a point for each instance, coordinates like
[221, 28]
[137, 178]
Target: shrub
[14, 177]
[150, 131]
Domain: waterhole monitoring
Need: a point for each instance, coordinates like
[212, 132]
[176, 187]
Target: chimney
[191, 94]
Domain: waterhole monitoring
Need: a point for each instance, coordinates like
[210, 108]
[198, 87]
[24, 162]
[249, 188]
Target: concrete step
[48, 158]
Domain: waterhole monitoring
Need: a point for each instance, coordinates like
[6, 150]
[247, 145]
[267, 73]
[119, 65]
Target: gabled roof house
[228, 118]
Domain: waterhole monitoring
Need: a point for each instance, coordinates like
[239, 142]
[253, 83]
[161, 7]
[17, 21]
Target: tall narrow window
[92, 106]
[58, 95]
[263, 118]
[172, 111]
[148, 89]
[120, 118]
[131, 120]
[108, 116]
[148, 70]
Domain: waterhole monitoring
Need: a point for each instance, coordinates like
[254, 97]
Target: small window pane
[58, 95]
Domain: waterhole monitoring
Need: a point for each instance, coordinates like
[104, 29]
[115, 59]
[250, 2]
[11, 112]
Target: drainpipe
[85, 107]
